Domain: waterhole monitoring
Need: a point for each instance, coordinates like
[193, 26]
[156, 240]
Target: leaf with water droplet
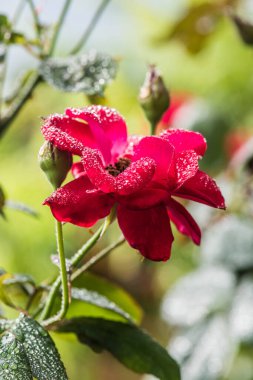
[43, 357]
[14, 364]
[197, 295]
[241, 320]
[89, 73]
[96, 299]
[229, 242]
[130, 345]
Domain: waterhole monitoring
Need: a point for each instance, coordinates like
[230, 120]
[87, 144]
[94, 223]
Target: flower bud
[154, 96]
[55, 163]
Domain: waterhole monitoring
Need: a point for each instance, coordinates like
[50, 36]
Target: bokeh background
[209, 71]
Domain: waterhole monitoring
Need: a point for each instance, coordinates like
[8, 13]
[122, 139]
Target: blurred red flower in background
[139, 175]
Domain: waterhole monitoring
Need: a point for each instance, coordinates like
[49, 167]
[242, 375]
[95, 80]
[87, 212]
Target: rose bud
[55, 163]
[154, 96]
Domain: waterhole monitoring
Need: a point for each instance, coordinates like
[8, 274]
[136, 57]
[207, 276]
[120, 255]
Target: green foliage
[27, 351]
[96, 299]
[9, 36]
[111, 291]
[196, 26]
[14, 364]
[130, 345]
[88, 73]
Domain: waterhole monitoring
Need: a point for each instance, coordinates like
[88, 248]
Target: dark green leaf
[40, 350]
[193, 30]
[88, 73]
[97, 299]
[245, 30]
[14, 364]
[130, 345]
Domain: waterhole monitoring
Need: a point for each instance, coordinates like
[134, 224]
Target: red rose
[140, 175]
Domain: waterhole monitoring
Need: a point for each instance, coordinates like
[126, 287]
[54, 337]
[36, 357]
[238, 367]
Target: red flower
[139, 175]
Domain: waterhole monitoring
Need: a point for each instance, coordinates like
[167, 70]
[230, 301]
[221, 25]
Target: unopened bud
[55, 163]
[154, 96]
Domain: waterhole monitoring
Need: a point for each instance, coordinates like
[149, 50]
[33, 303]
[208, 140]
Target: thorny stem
[74, 261]
[99, 256]
[90, 27]
[63, 270]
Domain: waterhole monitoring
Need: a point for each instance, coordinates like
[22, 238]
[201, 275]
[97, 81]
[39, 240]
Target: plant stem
[74, 261]
[63, 270]
[90, 27]
[99, 256]
[17, 106]
[35, 17]
[58, 27]
[152, 128]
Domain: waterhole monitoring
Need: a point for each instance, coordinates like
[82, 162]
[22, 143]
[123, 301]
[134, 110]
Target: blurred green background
[217, 79]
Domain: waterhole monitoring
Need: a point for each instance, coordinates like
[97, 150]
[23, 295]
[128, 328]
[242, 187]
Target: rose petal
[186, 166]
[68, 134]
[79, 203]
[136, 176]
[145, 198]
[108, 128]
[184, 221]
[94, 168]
[185, 140]
[160, 151]
[148, 231]
[77, 169]
[203, 189]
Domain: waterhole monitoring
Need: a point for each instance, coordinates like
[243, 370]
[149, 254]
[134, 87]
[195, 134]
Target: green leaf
[4, 27]
[229, 242]
[130, 345]
[14, 364]
[40, 349]
[196, 26]
[16, 289]
[9, 36]
[111, 291]
[96, 299]
[88, 73]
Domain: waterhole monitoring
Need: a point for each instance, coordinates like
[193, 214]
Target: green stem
[63, 271]
[152, 128]
[58, 26]
[90, 27]
[35, 17]
[74, 261]
[99, 256]
[17, 106]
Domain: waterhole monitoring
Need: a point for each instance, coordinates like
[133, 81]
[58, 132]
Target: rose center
[118, 167]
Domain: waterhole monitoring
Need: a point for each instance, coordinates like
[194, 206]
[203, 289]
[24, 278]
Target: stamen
[118, 167]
